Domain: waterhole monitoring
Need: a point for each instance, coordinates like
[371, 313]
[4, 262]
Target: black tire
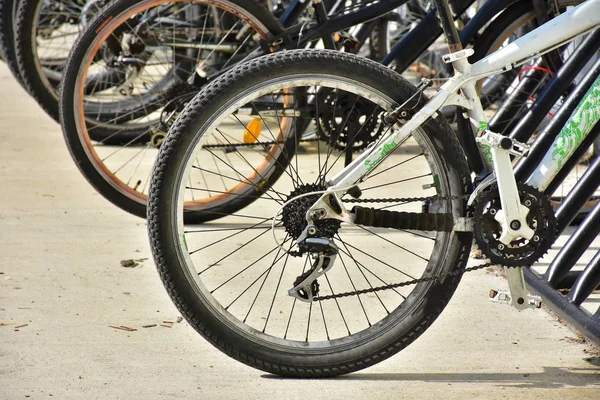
[7, 43]
[333, 358]
[79, 143]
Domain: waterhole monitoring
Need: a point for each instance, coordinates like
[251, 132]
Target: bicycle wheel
[228, 277]
[44, 34]
[159, 32]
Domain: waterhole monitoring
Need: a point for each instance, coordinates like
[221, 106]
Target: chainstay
[402, 284]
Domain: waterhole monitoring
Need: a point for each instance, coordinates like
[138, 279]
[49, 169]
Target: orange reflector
[253, 131]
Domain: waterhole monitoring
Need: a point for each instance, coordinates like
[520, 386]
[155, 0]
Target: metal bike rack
[559, 274]
[559, 277]
[582, 320]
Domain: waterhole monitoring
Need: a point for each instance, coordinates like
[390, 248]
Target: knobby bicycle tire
[211, 321]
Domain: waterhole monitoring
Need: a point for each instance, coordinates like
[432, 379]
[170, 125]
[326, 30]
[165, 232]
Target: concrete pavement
[61, 245]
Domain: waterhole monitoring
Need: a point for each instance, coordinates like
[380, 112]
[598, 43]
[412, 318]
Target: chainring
[520, 252]
[346, 118]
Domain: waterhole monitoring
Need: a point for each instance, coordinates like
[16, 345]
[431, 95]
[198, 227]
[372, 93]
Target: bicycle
[299, 283]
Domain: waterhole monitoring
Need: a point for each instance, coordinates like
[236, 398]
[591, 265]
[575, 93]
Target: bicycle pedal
[503, 297]
[500, 141]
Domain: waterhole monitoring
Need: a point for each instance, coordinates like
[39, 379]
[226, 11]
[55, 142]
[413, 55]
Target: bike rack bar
[575, 246]
[569, 280]
[582, 320]
[556, 87]
[513, 108]
[587, 282]
[582, 191]
[341, 22]
[412, 47]
[545, 139]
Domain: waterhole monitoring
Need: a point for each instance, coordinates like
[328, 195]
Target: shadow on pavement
[550, 377]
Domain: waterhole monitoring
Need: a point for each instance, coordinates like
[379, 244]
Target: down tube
[578, 126]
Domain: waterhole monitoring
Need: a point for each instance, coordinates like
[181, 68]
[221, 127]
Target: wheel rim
[188, 250]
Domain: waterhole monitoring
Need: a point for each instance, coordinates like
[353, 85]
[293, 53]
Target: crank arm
[513, 216]
[519, 295]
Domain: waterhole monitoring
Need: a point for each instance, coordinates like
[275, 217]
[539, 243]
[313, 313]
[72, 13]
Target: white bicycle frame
[554, 33]
[574, 22]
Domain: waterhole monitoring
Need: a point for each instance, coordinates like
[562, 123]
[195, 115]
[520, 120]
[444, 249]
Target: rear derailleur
[323, 252]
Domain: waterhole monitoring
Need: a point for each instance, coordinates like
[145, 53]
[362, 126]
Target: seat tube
[321, 16]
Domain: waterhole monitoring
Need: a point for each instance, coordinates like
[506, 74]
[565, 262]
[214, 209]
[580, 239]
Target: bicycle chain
[413, 281]
[405, 199]
[402, 284]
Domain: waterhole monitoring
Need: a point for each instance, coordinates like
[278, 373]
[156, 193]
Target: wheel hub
[294, 214]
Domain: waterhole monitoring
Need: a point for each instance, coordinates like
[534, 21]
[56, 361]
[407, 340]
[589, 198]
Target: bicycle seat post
[446, 18]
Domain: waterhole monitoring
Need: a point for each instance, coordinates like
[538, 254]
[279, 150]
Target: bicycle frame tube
[345, 21]
[578, 126]
[559, 30]
[407, 50]
[555, 32]
[293, 11]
